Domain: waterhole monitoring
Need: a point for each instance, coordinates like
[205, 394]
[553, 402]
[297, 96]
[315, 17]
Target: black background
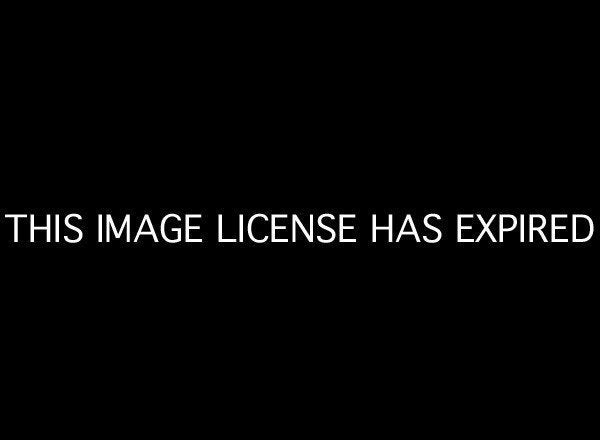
[386, 112]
